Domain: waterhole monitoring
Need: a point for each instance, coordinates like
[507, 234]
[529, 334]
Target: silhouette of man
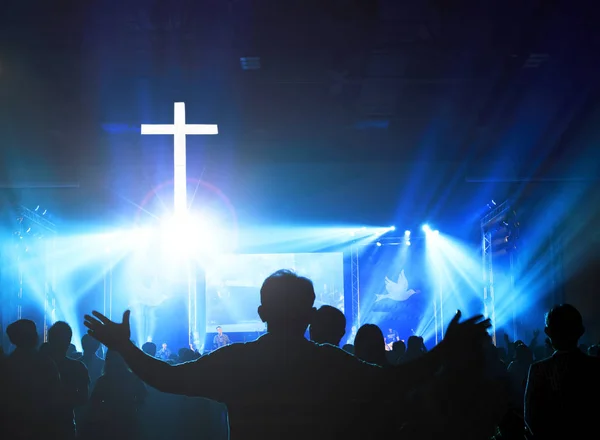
[30, 386]
[90, 358]
[562, 391]
[328, 326]
[396, 356]
[75, 380]
[282, 385]
[149, 348]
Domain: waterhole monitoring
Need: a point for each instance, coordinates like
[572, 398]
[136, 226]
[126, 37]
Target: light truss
[29, 218]
[488, 224]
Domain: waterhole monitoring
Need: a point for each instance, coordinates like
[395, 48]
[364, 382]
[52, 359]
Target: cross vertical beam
[179, 130]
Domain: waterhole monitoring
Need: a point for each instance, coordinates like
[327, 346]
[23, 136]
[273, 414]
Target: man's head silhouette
[328, 326]
[23, 334]
[564, 326]
[149, 348]
[59, 337]
[286, 303]
[89, 345]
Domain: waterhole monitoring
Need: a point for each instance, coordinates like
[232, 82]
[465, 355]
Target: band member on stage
[221, 339]
[164, 353]
[391, 337]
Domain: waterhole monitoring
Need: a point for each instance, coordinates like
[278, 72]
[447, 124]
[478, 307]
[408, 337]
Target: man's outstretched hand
[467, 336]
[109, 333]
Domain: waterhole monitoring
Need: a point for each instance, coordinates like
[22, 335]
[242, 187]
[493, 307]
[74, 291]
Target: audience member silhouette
[72, 352]
[519, 367]
[281, 385]
[348, 348]
[369, 345]
[415, 348]
[74, 379]
[115, 401]
[328, 326]
[562, 391]
[149, 348]
[90, 358]
[30, 387]
[396, 356]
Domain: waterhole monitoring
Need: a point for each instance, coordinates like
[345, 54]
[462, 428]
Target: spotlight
[407, 233]
[378, 243]
[426, 228]
[407, 243]
[392, 228]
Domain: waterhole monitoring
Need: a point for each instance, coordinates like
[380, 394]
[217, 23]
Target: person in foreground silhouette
[30, 387]
[282, 385]
[115, 401]
[328, 326]
[90, 358]
[74, 378]
[562, 391]
[369, 345]
[149, 348]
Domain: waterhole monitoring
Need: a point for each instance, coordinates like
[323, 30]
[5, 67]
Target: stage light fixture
[407, 233]
[378, 243]
[407, 243]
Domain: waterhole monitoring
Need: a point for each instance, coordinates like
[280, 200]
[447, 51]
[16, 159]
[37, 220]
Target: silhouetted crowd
[284, 386]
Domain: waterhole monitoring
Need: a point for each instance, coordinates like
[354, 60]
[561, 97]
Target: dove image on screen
[396, 291]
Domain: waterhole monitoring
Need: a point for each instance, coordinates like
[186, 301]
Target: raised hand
[466, 335]
[107, 332]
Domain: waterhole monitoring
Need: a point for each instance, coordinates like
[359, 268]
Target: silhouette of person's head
[287, 303]
[23, 334]
[59, 337]
[399, 348]
[89, 345]
[149, 348]
[328, 326]
[114, 363]
[415, 345]
[219, 330]
[564, 327]
[523, 354]
[369, 344]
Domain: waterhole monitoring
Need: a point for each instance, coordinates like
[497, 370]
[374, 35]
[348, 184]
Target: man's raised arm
[190, 379]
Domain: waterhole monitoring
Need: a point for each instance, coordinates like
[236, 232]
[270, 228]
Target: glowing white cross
[179, 129]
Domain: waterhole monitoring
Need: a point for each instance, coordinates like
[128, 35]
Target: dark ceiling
[487, 90]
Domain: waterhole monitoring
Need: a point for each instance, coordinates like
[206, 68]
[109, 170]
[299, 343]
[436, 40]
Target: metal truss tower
[498, 234]
[37, 232]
